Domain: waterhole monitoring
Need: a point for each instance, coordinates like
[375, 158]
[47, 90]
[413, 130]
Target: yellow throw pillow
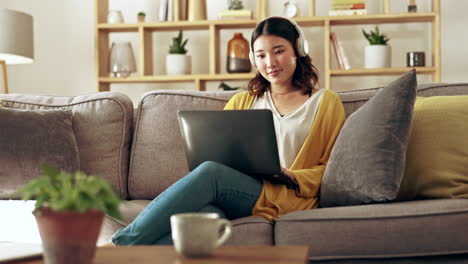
[437, 155]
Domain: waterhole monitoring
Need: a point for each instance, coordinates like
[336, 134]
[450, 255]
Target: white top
[293, 128]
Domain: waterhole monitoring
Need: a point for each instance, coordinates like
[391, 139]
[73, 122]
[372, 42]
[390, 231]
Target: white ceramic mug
[196, 235]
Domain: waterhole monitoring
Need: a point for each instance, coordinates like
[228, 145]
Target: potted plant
[141, 17]
[378, 54]
[235, 5]
[177, 62]
[69, 212]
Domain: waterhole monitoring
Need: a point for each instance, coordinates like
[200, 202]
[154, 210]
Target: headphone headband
[302, 45]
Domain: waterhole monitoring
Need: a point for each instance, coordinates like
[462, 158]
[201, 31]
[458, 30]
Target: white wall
[64, 48]
[64, 44]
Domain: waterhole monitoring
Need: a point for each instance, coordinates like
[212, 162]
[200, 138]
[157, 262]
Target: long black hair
[305, 76]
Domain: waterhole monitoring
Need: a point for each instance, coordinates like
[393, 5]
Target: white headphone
[301, 42]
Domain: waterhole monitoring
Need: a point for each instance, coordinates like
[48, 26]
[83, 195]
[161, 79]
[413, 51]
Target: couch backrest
[102, 124]
[157, 158]
[354, 99]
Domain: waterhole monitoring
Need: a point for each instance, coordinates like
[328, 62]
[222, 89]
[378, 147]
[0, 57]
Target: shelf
[178, 78]
[302, 21]
[310, 21]
[382, 18]
[147, 46]
[180, 25]
[382, 71]
[247, 76]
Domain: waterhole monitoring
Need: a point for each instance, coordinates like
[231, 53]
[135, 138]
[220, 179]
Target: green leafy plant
[63, 191]
[235, 5]
[375, 37]
[178, 46]
[141, 14]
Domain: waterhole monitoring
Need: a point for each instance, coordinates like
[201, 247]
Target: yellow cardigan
[309, 165]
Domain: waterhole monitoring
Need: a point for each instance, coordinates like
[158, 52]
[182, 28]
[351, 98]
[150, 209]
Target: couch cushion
[438, 89]
[129, 210]
[246, 231]
[252, 230]
[415, 228]
[437, 155]
[102, 123]
[367, 162]
[31, 138]
[158, 158]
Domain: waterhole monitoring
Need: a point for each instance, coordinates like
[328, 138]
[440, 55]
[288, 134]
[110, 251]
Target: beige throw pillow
[437, 156]
[30, 138]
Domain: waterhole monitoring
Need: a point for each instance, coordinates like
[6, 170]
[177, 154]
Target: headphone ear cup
[302, 43]
[306, 47]
[300, 46]
[252, 59]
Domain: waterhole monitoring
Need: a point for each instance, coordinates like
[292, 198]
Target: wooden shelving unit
[145, 31]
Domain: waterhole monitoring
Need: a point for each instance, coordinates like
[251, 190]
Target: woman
[307, 122]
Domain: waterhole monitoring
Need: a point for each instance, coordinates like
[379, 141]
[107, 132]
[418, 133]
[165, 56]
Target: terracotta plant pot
[69, 237]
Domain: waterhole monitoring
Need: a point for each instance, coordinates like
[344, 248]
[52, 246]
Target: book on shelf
[183, 7]
[350, 12]
[347, 2]
[235, 14]
[343, 63]
[347, 8]
[163, 10]
[170, 10]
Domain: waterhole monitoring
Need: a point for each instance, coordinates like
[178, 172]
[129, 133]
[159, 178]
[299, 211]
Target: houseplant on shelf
[235, 5]
[177, 61]
[141, 17]
[378, 54]
[69, 212]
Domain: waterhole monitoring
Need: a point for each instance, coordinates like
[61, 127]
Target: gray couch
[140, 152]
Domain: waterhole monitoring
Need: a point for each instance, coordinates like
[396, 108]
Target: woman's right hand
[288, 173]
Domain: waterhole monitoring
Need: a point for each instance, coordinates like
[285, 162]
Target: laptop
[244, 140]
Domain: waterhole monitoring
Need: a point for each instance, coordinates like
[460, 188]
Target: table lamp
[16, 40]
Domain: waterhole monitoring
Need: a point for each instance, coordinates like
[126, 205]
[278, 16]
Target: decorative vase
[122, 60]
[115, 17]
[238, 54]
[196, 10]
[178, 64]
[69, 237]
[377, 56]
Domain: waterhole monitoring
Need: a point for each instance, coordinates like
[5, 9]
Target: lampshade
[16, 37]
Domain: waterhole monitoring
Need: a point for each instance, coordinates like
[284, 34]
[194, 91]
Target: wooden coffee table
[222, 255]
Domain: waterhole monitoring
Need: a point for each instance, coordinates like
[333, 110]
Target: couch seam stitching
[374, 218]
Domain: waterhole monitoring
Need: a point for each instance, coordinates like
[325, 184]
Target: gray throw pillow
[30, 138]
[367, 162]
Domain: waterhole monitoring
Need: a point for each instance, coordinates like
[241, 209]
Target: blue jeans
[211, 187]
